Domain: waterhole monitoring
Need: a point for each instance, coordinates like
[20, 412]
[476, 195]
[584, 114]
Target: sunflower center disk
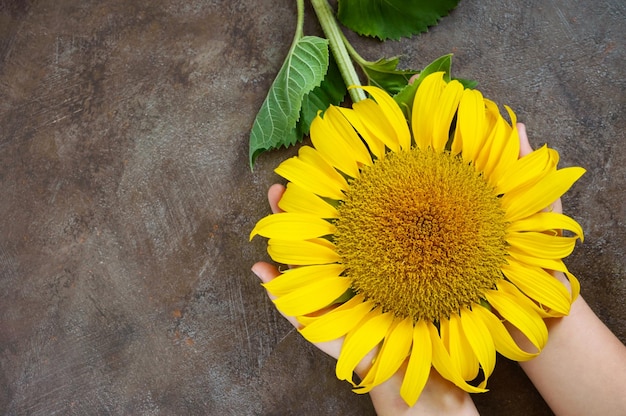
[421, 234]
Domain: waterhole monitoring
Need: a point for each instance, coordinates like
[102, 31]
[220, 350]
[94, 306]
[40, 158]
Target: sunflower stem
[299, 22]
[352, 52]
[331, 29]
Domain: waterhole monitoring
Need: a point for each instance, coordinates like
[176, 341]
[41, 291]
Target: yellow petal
[503, 341]
[392, 354]
[360, 341]
[338, 143]
[479, 337]
[540, 195]
[527, 321]
[445, 111]
[506, 147]
[541, 245]
[575, 286]
[292, 226]
[297, 199]
[292, 279]
[313, 296]
[498, 131]
[336, 323]
[302, 253]
[443, 363]
[528, 170]
[548, 264]
[444, 333]
[471, 123]
[461, 352]
[418, 367]
[422, 115]
[392, 112]
[374, 121]
[310, 171]
[357, 147]
[504, 286]
[539, 285]
[545, 263]
[547, 221]
[375, 145]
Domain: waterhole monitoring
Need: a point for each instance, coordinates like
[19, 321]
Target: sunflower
[420, 239]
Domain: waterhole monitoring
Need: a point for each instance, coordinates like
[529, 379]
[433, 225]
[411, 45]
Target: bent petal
[528, 322]
[360, 341]
[471, 124]
[336, 323]
[495, 130]
[541, 245]
[503, 341]
[547, 221]
[375, 122]
[418, 367]
[479, 337]
[311, 172]
[541, 195]
[506, 147]
[461, 353]
[443, 363]
[528, 170]
[392, 354]
[446, 109]
[545, 263]
[392, 112]
[375, 145]
[338, 143]
[539, 285]
[422, 114]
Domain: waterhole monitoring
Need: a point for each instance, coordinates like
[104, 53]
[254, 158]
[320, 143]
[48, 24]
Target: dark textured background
[126, 199]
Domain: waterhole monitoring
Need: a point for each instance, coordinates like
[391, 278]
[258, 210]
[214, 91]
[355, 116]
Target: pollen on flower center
[421, 234]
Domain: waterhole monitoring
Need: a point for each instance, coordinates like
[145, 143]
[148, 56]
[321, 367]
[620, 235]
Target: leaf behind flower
[392, 19]
[385, 74]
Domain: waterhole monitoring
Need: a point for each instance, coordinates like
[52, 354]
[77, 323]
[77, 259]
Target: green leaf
[385, 74]
[392, 19]
[331, 91]
[303, 70]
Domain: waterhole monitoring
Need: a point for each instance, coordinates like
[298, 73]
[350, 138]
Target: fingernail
[255, 270]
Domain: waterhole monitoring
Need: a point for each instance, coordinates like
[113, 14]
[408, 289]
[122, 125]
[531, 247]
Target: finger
[266, 272]
[274, 194]
[524, 147]
[557, 206]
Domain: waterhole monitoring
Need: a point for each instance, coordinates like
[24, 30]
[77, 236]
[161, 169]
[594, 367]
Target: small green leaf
[303, 70]
[385, 74]
[392, 19]
[331, 91]
[468, 84]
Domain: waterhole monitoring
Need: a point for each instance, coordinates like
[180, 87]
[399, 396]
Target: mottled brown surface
[126, 197]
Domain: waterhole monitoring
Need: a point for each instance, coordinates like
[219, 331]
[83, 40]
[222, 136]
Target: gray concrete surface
[126, 197]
